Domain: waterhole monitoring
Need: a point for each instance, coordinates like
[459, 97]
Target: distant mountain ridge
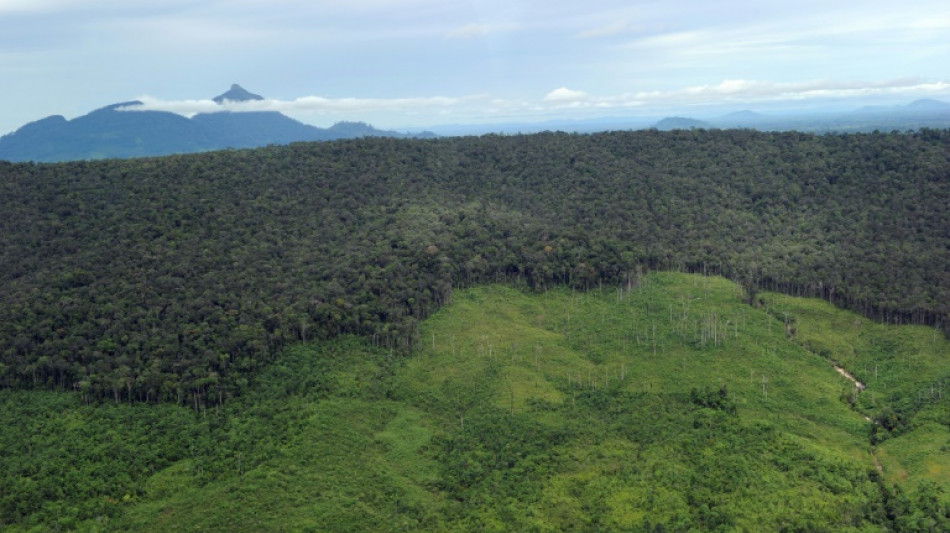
[924, 113]
[680, 123]
[110, 132]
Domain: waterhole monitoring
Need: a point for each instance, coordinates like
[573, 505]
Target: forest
[175, 279]
[637, 331]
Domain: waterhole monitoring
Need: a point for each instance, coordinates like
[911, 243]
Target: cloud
[751, 91]
[736, 92]
[301, 105]
[564, 94]
[565, 100]
[38, 6]
[740, 90]
[83, 9]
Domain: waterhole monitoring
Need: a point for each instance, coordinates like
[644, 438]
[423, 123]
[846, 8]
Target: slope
[670, 405]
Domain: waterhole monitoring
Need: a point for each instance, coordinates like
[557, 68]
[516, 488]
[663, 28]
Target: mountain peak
[237, 94]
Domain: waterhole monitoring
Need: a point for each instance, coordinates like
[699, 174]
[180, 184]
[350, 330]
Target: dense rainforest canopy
[176, 278]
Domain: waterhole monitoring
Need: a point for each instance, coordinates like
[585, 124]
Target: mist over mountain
[112, 132]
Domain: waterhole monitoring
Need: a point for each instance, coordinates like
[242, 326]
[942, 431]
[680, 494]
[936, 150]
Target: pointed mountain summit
[237, 94]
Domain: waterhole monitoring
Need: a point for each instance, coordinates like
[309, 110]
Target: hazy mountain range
[918, 114]
[109, 132]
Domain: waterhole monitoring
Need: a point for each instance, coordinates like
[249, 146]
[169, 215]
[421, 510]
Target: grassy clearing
[895, 362]
[672, 405]
[673, 334]
[906, 370]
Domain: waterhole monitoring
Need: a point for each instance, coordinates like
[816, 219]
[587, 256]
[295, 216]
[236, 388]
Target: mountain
[237, 94]
[928, 104]
[925, 113]
[361, 129]
[106, 133]
[740, 119]
[680, 123]
[111, 132]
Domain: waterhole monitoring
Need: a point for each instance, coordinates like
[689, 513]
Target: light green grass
[891, 360]
[527, 348]
[920, 455]
[546, 412]
[905, 369]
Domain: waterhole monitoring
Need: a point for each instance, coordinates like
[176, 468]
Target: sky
[409, 64]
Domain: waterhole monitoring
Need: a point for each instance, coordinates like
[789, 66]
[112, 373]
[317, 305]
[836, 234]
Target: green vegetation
[177, 279]
[496, 333]
[906, 371]
[668, 405]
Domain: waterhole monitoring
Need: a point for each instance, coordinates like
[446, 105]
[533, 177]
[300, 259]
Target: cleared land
[672, 404]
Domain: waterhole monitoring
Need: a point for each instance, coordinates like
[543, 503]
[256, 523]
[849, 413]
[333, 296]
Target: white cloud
[563, 94]
[563, 99]
[815, 41]
[37, 6]
[303, 104]
[98, 7]
[737, 91]
[624, 54]
[740, 90]
[752, 91]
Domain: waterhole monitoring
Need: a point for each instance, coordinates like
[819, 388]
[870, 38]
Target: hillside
[115, 132]
[670, 405]
[176, 279]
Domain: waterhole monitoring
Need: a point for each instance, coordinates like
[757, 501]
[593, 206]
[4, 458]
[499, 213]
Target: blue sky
[415, 63]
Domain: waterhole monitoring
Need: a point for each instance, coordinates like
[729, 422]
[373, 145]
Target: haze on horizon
[416, 63]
